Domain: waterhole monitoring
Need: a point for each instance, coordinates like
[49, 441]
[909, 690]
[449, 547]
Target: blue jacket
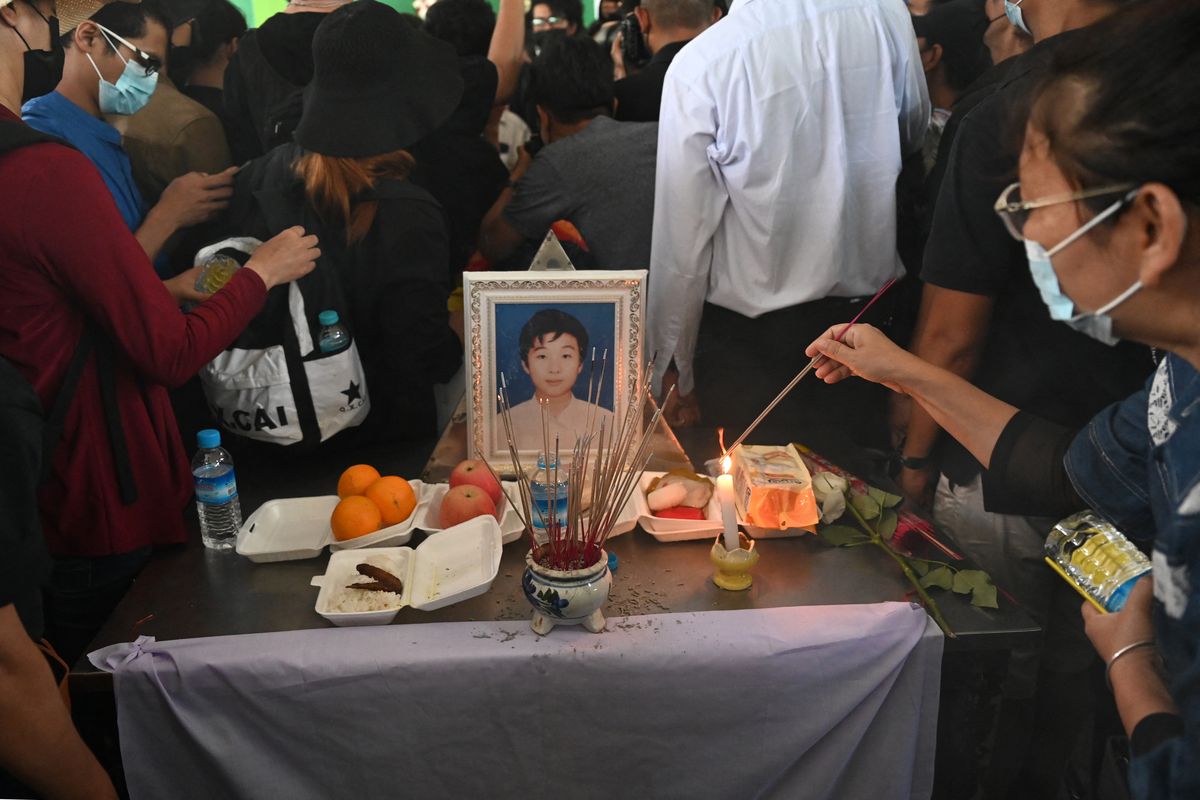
[1138, 464]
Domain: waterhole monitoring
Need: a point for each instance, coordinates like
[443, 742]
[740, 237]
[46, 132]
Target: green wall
[258, 10]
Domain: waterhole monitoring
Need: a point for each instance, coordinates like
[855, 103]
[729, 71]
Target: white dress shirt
[779, 145]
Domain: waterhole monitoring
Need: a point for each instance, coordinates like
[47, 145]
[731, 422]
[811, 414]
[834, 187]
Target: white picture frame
[500, 308]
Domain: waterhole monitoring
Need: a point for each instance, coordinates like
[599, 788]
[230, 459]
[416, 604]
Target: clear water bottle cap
[209, 437]
[328, 318]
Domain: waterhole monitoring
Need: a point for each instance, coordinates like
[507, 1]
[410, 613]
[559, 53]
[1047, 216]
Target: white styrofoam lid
[288, 529]
[455, 564]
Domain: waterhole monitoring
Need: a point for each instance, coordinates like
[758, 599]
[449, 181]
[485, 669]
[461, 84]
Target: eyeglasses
[149, 63]
[1015, 212]
[545, 22]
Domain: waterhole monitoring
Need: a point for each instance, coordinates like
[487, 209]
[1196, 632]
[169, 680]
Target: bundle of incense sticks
[606, 461]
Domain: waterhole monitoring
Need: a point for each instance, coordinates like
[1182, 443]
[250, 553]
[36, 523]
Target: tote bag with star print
[274, 384]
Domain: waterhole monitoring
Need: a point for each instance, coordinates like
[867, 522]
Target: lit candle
[728, 510]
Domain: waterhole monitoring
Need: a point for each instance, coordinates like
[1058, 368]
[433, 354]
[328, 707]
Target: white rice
[343, 600]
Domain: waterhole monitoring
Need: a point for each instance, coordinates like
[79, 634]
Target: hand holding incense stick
[807, 369]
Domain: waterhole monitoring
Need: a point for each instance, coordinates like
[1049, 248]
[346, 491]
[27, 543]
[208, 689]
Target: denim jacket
[1138, 464]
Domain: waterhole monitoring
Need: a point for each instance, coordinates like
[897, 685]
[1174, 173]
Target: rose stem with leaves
[930, 604]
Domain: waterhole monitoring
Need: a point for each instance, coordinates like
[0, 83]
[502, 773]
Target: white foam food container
[511, 527]
[676, 530]
[455, 565]
[629, 516]
[298, 527]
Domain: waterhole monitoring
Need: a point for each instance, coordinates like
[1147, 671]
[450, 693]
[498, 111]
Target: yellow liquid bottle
[216, 273]
[1096, 559]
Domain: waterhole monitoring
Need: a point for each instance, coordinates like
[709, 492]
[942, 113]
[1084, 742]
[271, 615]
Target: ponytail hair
[334, 187]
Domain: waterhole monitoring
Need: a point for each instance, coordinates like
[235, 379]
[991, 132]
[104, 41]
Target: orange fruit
[394, 497]
[354, 517]
[356, 479]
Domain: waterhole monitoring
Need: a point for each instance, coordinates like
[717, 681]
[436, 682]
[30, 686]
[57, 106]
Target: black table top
[193, 592]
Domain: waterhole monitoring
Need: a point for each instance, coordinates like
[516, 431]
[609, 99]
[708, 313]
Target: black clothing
[25, 563]
[465, 175]
[984, 87]
[480, 79]
[1026, 473]
[640, 95]
[771, 348]
[286, 44]
[211, 98]
[1029, 360]
[395, 283]
[262, 82]
[459, 168]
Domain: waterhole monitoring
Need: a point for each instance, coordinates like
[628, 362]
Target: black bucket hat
[379, 85]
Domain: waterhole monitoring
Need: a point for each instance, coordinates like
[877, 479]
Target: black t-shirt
[639, 96]
[24, 563]
[1029, 360]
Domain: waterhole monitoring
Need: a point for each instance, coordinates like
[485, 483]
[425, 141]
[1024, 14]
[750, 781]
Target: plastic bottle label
[216, 490]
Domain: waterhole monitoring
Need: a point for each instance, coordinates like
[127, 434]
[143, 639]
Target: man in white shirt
[781, 136]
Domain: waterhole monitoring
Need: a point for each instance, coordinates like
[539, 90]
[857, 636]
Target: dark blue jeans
[81, 594]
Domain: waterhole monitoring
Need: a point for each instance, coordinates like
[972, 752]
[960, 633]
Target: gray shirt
[602, 181]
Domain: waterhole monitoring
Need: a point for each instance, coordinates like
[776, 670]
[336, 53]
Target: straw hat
[73, 12]
[379, 85]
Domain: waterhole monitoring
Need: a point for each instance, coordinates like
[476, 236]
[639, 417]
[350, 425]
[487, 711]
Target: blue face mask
[1096, 324]
[132, 90]
[1015, 16]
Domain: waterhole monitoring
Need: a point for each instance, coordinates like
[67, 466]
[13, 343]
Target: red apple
[473, 472]
[463, 503]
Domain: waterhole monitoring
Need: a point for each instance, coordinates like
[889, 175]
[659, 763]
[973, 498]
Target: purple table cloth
[812, 702]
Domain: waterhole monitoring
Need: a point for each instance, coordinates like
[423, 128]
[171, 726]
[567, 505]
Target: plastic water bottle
[1096, 559]
[334, 336]
[548, 491]
[216, 272]
[216, 492]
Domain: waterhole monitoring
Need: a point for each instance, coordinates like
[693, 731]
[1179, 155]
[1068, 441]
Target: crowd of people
[1016, 164]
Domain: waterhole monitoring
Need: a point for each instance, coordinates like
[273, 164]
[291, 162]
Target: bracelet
[1117, 655]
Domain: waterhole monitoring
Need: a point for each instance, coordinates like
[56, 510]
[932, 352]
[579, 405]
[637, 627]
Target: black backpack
[14, 135]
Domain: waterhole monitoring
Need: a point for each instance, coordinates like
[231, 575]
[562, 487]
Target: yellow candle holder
[733, 566]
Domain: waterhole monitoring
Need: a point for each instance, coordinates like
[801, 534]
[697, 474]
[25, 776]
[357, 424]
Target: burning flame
[726, 461]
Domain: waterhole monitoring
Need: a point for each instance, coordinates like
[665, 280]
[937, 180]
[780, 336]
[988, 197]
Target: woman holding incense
[1108, 205]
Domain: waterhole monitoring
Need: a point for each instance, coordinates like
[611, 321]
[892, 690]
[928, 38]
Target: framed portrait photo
[543, 336]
